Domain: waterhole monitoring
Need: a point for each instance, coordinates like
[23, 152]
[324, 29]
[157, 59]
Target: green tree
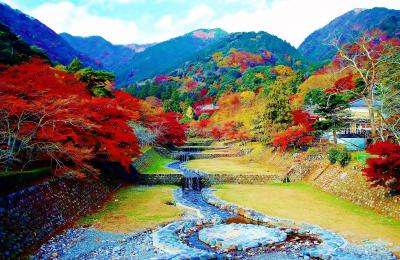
[100, 82]
[74, 66]
[277, 113]
[331, 108]
[175, 101]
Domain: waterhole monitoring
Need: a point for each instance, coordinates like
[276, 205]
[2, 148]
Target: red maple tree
[48, 115]
[298, 133]
[384, 169]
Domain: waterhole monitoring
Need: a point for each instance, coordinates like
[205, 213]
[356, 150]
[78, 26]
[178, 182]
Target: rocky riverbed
[210, 228]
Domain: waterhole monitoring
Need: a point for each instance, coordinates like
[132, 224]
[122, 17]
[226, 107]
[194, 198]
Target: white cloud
[77, 20]
[198, 14]
[292, 20]
[164, 23]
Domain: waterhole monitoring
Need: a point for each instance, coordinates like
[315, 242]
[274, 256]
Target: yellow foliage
[318, 81]
[247, 97]
[232, 50]
[217, 56]
[259, 75]
[189, 112]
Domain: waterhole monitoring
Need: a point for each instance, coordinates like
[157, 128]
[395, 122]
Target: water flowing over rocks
[211, 228]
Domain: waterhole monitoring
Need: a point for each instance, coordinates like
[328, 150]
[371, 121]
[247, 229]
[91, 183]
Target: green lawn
[306, 204]
[360, 156]
[261, 160]
[157, 163]
[133, 208]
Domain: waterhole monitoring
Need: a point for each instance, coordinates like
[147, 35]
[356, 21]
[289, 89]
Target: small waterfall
[184, 157]
[192, 183]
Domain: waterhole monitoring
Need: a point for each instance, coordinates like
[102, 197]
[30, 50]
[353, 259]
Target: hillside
[255, 42]
[165, 56]
[112, 57]
[36, 33]
[14, 50]
[317, 46]
[237, 62]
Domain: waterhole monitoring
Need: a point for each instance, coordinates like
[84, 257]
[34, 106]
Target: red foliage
[216, 133]
[293, 136]
[51, 115]
[231, 130]
[343, 84]
[303, 118]
[166, 127]
[384, 170]
[298, 133]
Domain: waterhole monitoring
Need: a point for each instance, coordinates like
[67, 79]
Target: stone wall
[348, 183]
[212, 179]
[33, 214]
[158, 179]
[242, 152]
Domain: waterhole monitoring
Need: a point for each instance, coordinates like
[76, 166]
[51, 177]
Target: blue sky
[146, 21]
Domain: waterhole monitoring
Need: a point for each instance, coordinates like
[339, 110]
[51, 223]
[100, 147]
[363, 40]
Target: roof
[361, 103]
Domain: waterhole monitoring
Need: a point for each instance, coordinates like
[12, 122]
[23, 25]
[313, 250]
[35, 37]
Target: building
[357, 134]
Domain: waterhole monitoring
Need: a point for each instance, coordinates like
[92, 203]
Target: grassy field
[260, 161]
[134, 208]
[306, 204]
[157, 163]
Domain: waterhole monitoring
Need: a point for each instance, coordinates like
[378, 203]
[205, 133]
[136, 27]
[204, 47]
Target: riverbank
[134, 208]
[306, 204]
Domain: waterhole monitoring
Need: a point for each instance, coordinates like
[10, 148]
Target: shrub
[339, 155]
[344, 158]
[333, 154]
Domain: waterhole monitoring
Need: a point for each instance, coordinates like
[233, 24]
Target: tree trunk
[334, 136]
[369, 101]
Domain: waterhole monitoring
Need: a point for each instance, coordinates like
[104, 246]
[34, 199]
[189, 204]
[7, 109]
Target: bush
[333, 155]
[344, 158]
[339, 155]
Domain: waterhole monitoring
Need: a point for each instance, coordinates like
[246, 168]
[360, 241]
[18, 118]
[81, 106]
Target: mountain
[112, 57]
[139, 47]
[246, 61]
[167, 55]
[316, 47]
[13, 50]
[254, 42]
[33, 32]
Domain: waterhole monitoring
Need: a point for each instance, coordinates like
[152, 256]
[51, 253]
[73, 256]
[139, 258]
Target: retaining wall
[33, 214]
[212, 179]
[349, 184]
[160, 179]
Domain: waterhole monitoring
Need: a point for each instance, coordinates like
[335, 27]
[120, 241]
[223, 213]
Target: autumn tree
[299, 132]
[384, 168]
[368, 57]
[48, 115]
[276, 115]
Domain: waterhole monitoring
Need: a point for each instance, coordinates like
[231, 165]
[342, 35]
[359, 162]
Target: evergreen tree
[276, 115]
[74, 66]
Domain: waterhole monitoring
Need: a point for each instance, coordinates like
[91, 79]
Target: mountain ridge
[348, 27]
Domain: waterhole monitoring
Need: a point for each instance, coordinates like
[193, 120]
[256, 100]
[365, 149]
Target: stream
[211, 229]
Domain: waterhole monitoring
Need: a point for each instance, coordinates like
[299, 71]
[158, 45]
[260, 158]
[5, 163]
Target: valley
[196, 141]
